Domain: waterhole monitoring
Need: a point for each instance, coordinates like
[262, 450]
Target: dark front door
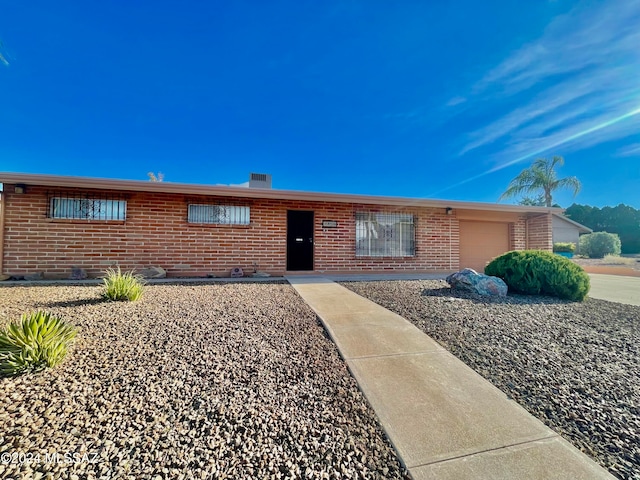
[299, 240]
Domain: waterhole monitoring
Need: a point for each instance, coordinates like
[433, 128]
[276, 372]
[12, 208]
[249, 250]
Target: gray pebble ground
[193, 381]
[575, 366]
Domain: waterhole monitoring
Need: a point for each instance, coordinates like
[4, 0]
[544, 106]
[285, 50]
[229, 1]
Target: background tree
[534, 201]
[541, 179]
[155, 178]
[537, 201]
[623, 220]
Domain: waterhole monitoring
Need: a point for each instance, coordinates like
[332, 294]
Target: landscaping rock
[4, 277]
[78, 273]
[153, 272]
[260, 274]
[472, 281]
[573, 365]
[232, 380]
[34, 276]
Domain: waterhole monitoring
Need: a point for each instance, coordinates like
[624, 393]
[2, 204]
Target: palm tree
[155, 178]
[540, 178]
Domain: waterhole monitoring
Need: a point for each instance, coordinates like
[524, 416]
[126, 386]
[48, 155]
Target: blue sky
[432, 99]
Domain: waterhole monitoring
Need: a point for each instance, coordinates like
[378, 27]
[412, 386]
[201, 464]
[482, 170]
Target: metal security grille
[381, 234]
[219, 214]
[259, 177]
[84, 207]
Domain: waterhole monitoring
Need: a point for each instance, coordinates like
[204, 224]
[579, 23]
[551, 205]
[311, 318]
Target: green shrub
[567, 247]
[39, 341]
[599, 244]
[120, 286]
[537, 272]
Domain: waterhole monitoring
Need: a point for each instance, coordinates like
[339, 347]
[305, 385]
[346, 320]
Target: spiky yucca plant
[122, 286]
[38, 341]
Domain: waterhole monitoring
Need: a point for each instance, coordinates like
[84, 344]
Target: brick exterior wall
[518, 234]
[540, 232]
[156, 233]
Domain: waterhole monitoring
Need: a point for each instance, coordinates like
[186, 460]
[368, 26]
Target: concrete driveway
[615, 288]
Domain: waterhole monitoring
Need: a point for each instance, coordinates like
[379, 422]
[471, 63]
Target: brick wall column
[540, 232]
[518, 234]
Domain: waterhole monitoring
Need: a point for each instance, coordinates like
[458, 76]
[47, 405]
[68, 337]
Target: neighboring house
[566, 230]
[52, 223]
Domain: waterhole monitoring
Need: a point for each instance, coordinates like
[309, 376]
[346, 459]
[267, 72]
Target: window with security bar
[87, 208]
[380, 234]
[218, 214]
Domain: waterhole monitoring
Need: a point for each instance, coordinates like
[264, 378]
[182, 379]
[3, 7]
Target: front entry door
[299, 240]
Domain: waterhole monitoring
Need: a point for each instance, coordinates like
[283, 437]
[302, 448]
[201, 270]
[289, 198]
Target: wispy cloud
[579, 76]
[457, 100]
[3, 59]
[632, 150]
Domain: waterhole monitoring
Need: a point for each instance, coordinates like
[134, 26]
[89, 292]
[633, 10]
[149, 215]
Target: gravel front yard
[575, 366]
[193, 381]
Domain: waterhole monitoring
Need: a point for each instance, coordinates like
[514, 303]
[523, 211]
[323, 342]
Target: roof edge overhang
[581, 228]
[59, 181]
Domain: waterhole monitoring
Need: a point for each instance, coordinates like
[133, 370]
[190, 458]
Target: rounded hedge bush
[537, 272]
[565, 247]
[599, 244]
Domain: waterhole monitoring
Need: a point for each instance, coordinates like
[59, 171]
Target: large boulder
[472, 281]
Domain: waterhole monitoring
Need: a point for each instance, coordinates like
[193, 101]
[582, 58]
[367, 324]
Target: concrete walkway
[444, 420]
[615, 288]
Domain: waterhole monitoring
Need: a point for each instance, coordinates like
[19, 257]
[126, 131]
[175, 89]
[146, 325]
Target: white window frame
[385, 234]
[213, 214]
[82, 208]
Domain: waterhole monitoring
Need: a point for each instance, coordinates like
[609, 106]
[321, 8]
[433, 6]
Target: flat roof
[60, 181]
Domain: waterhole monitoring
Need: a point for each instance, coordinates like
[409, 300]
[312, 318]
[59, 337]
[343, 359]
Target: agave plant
[122, 286]
[38, 341]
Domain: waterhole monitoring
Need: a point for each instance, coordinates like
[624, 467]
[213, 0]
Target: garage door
[482, 241]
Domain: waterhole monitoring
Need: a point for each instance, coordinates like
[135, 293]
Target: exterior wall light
[449, 211]
[20, 188]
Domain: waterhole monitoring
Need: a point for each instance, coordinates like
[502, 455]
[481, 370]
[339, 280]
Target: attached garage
[480, 242]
